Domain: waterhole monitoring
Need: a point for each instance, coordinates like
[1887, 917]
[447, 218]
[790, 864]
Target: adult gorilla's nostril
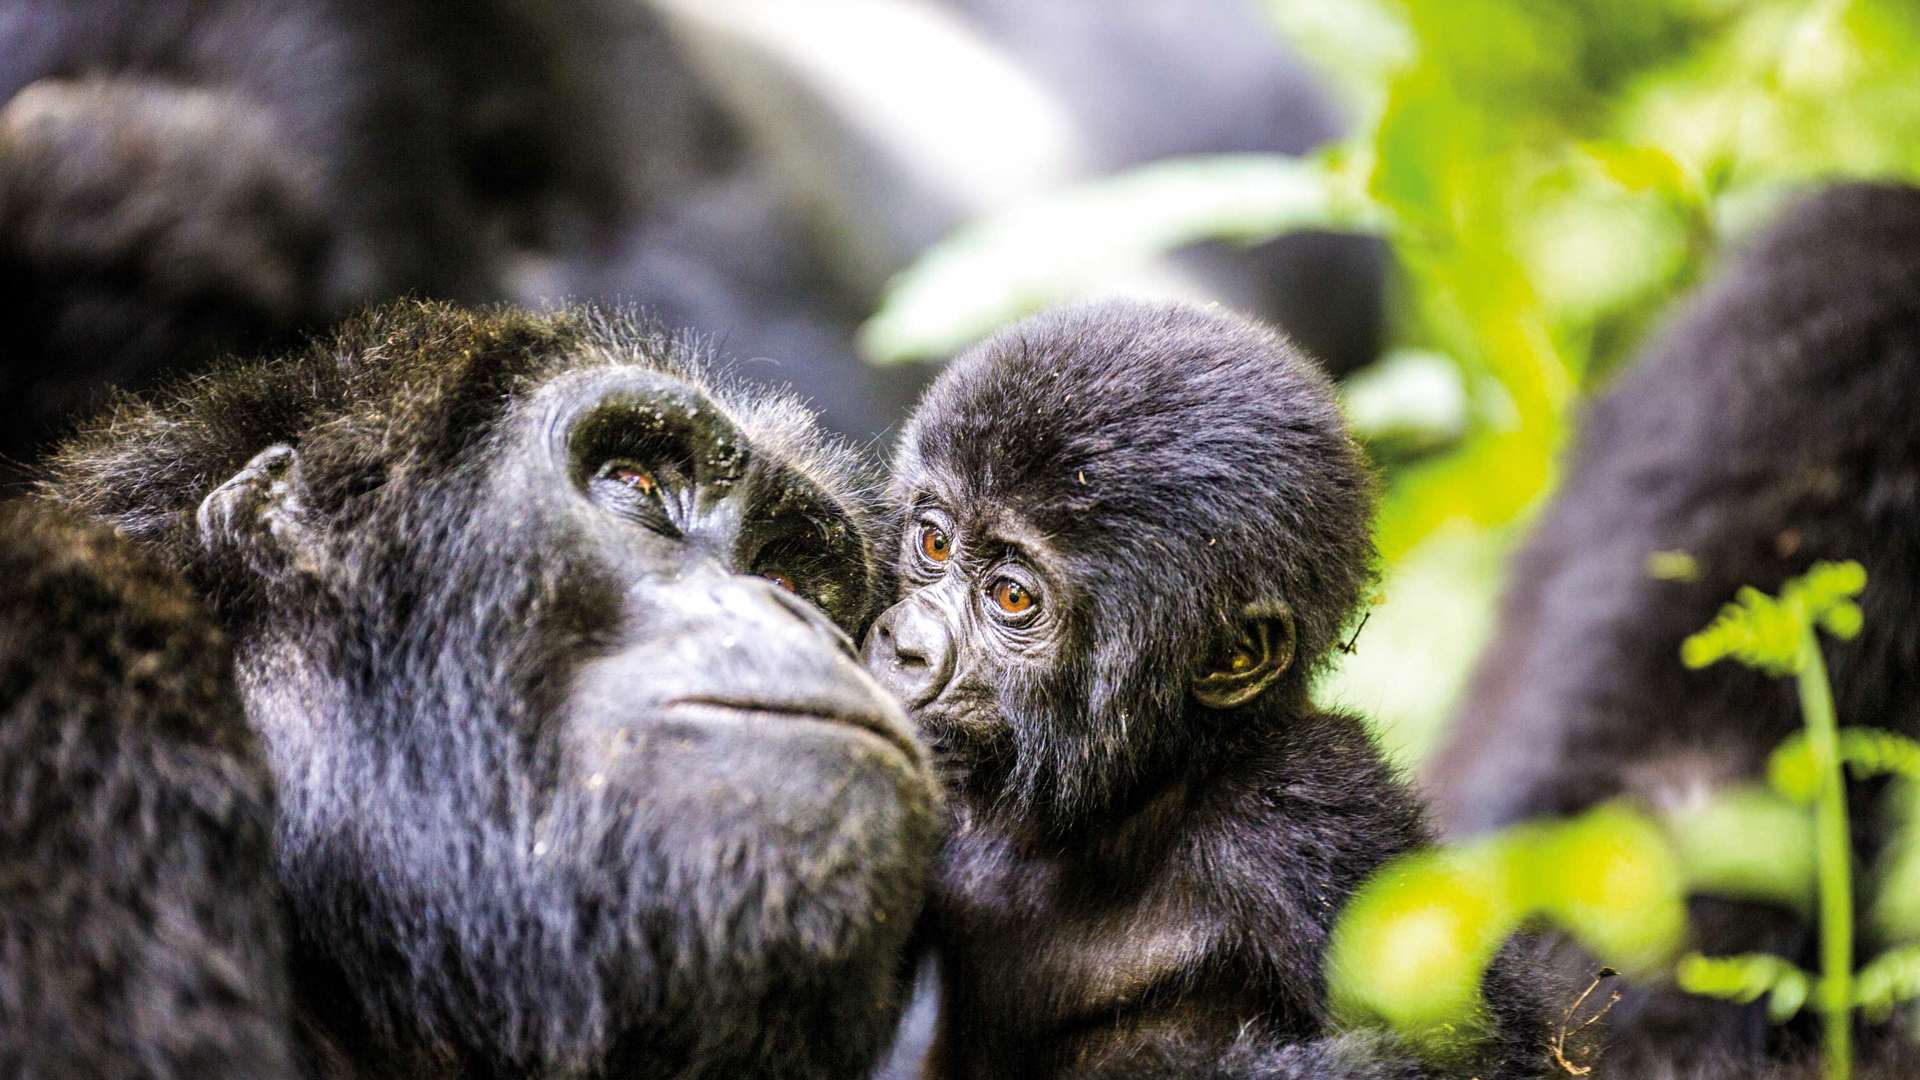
[908, 651]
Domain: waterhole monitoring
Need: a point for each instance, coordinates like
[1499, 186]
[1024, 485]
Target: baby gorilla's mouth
[870, 723]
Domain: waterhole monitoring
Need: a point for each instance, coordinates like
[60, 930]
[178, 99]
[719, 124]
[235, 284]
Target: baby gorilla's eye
[934, 544]
[1013, 597]
[781, 579]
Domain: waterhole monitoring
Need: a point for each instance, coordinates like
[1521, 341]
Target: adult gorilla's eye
[632, 476]
[635, 492]
[781, 579]
[1012, 597]
[934, 544]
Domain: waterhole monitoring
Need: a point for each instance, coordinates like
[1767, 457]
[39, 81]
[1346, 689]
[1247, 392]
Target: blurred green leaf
[1410, 948]
[1412, 945]
[1747, 843]
[1610, 879]
[1889, 979]
[1896, 902]
[1745, 978]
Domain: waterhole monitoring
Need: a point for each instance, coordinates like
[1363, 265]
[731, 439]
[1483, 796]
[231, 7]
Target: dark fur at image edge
[1775, 422]
[1171, 466]
[140, 931]
[418, 597]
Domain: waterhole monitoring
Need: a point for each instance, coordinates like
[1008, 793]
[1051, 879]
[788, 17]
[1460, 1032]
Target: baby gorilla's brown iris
[934, 544]
[1013, 598]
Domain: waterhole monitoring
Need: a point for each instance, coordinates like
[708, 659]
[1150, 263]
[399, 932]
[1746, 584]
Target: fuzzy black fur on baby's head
[1184, 467]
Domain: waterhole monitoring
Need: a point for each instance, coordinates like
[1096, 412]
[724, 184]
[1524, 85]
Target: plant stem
[1834, 845]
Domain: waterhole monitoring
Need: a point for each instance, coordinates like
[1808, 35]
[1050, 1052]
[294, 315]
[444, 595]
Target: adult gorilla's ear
[253, 515]
[1259, 651]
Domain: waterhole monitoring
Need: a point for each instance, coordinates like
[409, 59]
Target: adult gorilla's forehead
[406, 388]
[766, 432]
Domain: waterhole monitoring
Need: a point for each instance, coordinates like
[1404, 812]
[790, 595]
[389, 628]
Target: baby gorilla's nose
[909, 652]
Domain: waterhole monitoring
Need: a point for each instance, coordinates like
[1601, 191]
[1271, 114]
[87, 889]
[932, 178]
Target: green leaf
[1611, 880]
[1747, 843]
[1896, 900]
[1745, 978]
[1766, 632]
[1412, 945]
[1888, 980]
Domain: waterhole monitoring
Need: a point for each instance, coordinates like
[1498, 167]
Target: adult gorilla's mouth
[844, 716]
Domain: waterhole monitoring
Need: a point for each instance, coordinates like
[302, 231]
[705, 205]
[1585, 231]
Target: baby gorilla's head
[1121, 522]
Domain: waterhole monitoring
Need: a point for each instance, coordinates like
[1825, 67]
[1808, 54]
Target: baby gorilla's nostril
[907, 654]
[907, 650]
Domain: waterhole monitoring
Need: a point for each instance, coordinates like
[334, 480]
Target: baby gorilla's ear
[1259, 651]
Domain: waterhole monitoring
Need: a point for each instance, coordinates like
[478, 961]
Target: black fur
[1138, 884]
[141, 936]
[179, 180]
[566, 789]
[1776, 422]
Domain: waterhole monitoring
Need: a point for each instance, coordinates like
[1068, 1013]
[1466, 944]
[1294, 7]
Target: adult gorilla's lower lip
[855, 720]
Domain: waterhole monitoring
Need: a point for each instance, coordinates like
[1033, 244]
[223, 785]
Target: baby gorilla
[1132, 534]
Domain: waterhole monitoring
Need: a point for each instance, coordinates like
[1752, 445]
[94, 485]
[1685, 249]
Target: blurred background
[1470, 211]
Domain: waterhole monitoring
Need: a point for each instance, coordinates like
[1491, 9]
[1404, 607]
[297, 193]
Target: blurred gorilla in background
[180, 180]
[1773, 424]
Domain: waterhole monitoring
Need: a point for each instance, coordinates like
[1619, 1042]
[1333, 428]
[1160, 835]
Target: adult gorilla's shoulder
[139, 930]
[544, 632]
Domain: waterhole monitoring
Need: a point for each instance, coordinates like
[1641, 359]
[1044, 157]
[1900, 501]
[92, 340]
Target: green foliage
[1886, 981]
[1794, 771]
[1771, 633]
[1745, 978]
[1747, 843]
[1779, 635]
[1896, 902]
[1411, 947]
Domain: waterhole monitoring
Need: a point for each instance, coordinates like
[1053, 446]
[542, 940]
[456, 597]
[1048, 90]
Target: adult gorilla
[544, 637]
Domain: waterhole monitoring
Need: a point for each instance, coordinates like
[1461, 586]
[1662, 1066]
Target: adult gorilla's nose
[909, 652]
